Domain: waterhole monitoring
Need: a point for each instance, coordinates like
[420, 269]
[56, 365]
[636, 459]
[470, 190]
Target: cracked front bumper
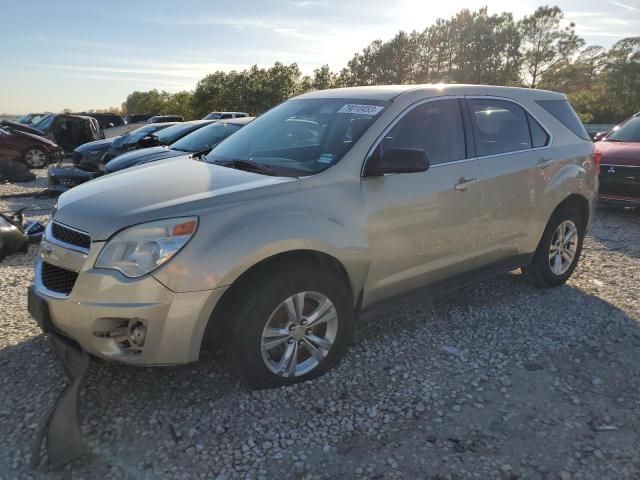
[102, 304]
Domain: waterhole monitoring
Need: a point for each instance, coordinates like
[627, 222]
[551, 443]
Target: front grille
[56, 279]
[70, 236]
[621, 189]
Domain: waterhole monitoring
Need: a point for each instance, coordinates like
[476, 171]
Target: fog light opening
[137, 334]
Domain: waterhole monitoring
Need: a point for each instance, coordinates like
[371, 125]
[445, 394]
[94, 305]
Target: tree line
[538, 51]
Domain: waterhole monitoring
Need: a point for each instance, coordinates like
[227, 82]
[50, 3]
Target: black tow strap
[61, 425]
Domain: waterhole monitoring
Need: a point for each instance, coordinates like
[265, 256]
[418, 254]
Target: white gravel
[23, 188]
[500, 380]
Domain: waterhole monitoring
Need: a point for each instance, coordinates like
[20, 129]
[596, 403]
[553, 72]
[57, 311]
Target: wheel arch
[219, 320]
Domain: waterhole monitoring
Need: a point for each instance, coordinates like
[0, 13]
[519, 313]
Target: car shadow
[129, 412]
[619, 229]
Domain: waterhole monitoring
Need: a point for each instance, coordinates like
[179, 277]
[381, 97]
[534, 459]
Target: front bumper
[103, 304]
[62, 179]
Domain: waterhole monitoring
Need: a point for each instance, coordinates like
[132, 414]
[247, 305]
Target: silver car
[329, 208]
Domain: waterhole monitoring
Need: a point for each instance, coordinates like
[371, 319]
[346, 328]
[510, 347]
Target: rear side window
[564, 113]
[539, 138]
[500, 126]
[435, 127]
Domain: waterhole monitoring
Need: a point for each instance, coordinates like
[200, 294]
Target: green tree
[546, 45]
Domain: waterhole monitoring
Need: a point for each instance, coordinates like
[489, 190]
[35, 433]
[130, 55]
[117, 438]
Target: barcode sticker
[361, 109]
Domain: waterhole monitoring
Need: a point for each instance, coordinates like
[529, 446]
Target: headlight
[140, 249]
[54, 210]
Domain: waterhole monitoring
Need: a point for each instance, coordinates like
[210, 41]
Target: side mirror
[402, 160]
[599, 136]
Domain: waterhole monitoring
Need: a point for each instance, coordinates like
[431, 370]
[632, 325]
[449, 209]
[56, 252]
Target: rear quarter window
[564, 113]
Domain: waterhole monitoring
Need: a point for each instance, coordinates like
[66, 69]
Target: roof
[389, 92]
[236, 121]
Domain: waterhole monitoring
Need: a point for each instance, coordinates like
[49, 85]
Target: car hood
[98, 144]
[138, 157]
[619, 153]
[174, 188]
[39, 138]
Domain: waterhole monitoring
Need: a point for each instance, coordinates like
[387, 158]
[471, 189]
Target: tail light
[597, 157]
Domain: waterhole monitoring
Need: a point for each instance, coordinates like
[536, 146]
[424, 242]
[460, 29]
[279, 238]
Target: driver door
[423, 227]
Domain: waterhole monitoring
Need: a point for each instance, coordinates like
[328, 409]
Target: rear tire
[289, 325]
[35, 157]
[559, 250]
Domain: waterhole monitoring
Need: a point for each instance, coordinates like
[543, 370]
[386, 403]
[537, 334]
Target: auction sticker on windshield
[361, 109]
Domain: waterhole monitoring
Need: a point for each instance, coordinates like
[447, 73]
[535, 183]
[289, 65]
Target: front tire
[288, 327]
[559, 250]
[35, 157]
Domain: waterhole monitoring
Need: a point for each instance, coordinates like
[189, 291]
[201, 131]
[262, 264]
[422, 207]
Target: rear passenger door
[423, 227]
[511, 148]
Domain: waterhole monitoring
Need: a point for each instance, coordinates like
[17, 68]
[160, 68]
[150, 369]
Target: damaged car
[89, 159]
[195, 144]
[35, 151]
[68, 131]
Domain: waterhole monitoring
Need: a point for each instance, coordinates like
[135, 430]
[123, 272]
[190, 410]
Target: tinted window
[226, 115]
[500, 126]
[435, 127]
[562, 110]
[539, 138]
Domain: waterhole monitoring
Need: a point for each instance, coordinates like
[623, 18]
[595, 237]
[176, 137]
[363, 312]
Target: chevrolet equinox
[328, 208]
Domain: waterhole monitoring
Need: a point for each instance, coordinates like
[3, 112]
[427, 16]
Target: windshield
[44, 123]
[206, 137]
[213, 116]
[301, 137]
[629, 131]
[170, 134]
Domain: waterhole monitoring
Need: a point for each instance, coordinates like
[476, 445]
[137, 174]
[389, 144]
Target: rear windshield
[563, 111]
[629, 131]
[206, 137]
[171, 134]
[135, 135]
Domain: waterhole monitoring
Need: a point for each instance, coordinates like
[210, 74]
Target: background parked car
[137, 118]
[89, 159]
[224, 115]
[148, 136]
[166, 118]
[620, 163]
[31, 118]
[68, 131]
[597, 131]
[105, 120]
[197, 143]
[33, 150]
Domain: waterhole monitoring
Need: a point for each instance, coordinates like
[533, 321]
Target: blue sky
[91, 54]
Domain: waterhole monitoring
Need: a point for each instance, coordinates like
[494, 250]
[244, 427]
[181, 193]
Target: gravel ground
[23, 188]
[501, 380]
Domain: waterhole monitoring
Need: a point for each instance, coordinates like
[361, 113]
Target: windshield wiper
[248, 165]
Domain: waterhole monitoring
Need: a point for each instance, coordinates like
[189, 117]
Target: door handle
[545, 162]
[465, 183]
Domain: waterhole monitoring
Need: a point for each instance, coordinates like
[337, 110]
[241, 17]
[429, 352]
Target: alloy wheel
[564, 245]
[299, 334]
[35, 158]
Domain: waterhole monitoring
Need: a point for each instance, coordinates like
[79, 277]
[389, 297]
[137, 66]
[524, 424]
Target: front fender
[247, 234]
